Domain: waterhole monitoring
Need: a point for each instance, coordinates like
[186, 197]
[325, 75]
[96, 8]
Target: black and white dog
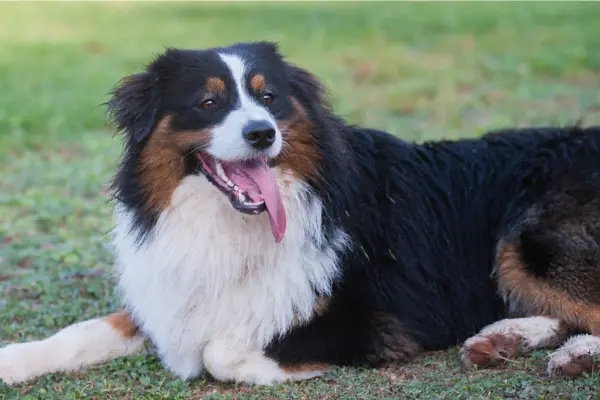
[262, 239]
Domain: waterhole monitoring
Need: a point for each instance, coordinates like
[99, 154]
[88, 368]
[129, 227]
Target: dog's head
[231, 114]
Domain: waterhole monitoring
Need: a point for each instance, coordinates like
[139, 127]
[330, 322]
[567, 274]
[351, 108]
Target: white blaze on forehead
[227, 141]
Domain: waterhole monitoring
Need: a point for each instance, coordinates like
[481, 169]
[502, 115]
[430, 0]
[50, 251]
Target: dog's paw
[264, 377]
[9, 377]
[580, 354]
[489, 350]
[572, 366]
[13, 369]
[226, 362]
[306, 374]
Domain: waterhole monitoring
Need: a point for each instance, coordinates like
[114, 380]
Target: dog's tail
[73, 348]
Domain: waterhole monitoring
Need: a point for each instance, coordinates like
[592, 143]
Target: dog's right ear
[134, 105]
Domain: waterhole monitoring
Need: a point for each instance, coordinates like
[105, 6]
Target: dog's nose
[259, 134]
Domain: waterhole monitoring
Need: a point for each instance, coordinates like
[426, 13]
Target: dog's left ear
[306, 88]
[134, 105]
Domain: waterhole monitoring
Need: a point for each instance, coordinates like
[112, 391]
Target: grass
[422, 70]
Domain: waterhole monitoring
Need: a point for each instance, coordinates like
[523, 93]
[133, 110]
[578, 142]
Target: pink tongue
[259, 176]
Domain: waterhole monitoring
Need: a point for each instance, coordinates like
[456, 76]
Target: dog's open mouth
[251, 187]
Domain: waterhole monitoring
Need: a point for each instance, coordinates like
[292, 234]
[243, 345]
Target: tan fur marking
[536, 297]
[300, 155]
[321, 305]
[162, 163]
[391, 344]
[121, 321]
[257, 83]
[294, 369]
[215, 85]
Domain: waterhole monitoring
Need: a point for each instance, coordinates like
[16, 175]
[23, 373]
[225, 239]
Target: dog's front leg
[227, 361]
[183, 362]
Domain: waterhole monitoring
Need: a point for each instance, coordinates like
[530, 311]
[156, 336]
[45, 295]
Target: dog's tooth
[221, 171]
[241, 197]
[229, 183]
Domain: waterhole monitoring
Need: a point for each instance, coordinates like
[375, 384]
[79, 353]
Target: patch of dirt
[25, 262]
[22, 293]
[8, 239]
[7, 277]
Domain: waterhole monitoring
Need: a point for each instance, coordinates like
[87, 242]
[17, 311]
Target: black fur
[425, 221]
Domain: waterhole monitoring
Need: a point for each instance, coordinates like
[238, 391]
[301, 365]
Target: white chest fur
[210, 272]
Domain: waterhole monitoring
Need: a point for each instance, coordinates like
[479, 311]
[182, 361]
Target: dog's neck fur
[209, 271]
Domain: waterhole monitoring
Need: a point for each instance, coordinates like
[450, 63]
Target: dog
[260, 238]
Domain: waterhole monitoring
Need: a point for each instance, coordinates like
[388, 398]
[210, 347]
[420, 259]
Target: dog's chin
[240, 200]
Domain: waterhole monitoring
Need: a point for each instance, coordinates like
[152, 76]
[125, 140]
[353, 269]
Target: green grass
[421, 70]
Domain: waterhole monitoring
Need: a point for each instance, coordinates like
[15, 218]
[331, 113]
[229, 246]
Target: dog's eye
[208, 104]
[267, 98]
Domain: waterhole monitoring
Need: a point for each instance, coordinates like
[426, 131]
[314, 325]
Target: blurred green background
[420, 70]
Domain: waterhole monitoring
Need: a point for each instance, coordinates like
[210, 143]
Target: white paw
[228, 362]
[507, 338]
[489, 349]
[186, 367]
[14, 367]
[251, 368]
[580, 354]
[262, 377]
[272, 374]
[305, 375]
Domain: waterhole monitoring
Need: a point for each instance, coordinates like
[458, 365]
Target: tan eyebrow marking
[258, 83]
[215, 85]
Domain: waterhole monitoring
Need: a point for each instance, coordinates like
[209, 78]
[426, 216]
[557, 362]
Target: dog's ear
[307, 89]
[134, 105]
[266, 47]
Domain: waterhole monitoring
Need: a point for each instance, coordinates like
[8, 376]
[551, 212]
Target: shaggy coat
[261, 238]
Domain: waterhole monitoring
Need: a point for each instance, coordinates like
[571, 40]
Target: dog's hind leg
[507, 338]
[73, 348]
[549, 264]
[579, 354]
